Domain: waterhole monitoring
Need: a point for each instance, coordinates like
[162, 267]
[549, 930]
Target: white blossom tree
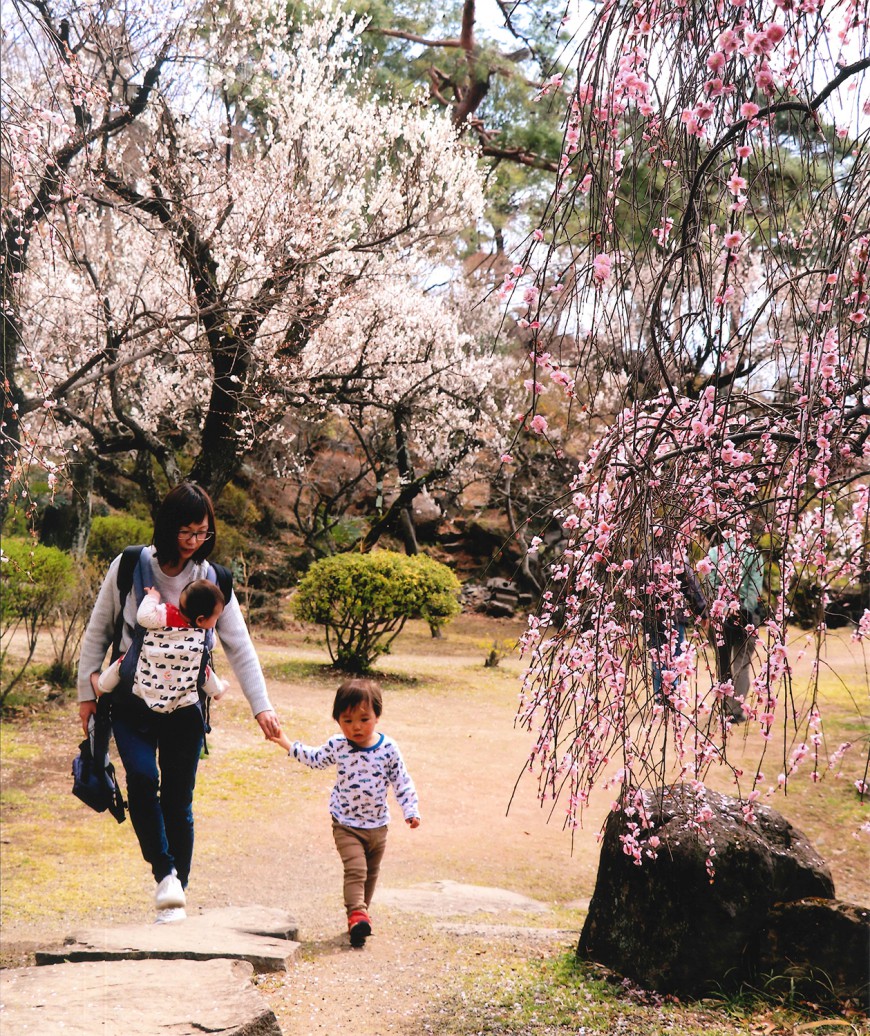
[422, 389]
[189, 196]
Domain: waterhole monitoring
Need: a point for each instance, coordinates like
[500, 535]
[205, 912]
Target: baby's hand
[152, 591]
[413, 822]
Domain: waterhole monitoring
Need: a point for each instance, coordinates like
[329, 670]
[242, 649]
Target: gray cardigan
[231, 629]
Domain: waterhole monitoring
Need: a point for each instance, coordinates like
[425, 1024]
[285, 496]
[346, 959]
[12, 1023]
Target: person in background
[735, 575]
[666, 629]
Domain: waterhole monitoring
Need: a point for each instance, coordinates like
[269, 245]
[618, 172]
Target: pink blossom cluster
[748, 317]
[587, 682]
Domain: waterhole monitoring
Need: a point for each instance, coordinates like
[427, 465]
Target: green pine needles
[364, 600]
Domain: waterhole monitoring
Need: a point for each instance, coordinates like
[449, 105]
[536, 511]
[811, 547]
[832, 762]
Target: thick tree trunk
[215, 467]
[407, 531]
[82, 479]
[221, 451]
[10, 430]
[12, 262]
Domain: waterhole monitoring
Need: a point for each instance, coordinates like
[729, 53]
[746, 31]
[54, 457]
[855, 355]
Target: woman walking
[160, 751]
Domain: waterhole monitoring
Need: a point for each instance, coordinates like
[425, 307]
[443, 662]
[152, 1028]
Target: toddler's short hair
[357, 692]
[201, 597]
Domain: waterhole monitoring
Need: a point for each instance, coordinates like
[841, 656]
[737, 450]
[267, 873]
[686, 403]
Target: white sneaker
[170, 914]
[169, 893]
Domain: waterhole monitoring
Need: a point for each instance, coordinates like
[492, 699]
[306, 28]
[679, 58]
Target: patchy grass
[295, 669]
[13, 748]
[559, 996]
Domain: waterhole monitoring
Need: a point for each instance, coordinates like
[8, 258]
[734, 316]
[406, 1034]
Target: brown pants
[361, 851]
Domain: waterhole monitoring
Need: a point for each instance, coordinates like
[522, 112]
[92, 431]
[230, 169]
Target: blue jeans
[160, 801]
[658, 638]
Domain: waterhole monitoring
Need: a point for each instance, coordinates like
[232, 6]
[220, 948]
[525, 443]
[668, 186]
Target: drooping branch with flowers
[709, 228]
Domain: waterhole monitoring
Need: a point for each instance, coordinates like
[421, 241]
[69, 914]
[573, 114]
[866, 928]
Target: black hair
[200, 599]
[187, 503]
[357, 692]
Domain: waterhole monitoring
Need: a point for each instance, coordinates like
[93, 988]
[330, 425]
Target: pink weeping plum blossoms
[737, 321]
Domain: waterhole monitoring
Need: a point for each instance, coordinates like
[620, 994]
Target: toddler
[169, 659]
[367, 763]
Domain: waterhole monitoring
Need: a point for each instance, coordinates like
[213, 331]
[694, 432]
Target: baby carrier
[171, 663]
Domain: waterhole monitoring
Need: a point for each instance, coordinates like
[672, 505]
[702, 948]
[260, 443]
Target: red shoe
[359, 925]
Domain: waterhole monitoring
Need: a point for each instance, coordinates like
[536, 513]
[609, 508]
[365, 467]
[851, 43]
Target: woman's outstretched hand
[269, 724]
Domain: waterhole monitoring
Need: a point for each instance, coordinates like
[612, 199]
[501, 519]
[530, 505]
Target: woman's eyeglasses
[194, 537]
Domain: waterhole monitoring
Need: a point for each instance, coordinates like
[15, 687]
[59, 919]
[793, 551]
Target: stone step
[262, 936]
[135, 998]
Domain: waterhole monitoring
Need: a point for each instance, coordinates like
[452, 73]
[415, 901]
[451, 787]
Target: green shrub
[236, 507]
[364, 600]
[36, 580]
[229, 544]
[70, 622]
[111, 534]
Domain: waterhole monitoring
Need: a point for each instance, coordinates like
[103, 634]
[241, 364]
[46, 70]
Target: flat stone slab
[135, 998]
[262, 936]
[444, 898]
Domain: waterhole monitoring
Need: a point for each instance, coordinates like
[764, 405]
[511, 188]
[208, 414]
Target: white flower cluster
[260, 207]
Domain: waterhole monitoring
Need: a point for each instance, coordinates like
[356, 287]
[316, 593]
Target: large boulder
[819, 947]
[666, 923]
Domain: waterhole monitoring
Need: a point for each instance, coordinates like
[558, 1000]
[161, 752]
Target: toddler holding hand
[367, 764]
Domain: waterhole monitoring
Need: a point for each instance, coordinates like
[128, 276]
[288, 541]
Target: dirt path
[465, 755]
[263, 837]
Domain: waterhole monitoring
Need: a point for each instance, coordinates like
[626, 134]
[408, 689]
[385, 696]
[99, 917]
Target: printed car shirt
[359, 796]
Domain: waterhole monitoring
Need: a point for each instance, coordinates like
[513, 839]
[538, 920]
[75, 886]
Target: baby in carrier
[168, 659]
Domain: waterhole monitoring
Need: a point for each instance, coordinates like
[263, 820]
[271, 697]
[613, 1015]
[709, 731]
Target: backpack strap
[143, 576]
[224, 579]
[129, 559]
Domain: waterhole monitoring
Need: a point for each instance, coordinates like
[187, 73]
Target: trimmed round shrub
[364, 600]
[111, 533]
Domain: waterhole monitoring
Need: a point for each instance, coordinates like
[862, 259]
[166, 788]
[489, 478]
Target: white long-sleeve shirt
[359, 796]
[231, 629]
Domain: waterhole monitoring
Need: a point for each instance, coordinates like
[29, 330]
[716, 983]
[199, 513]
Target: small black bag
[94, 780]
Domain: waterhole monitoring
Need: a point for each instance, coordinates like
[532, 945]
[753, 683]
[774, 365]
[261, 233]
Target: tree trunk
[221, 452]
[9, 436]
[13, 397]
[525, 577]
[82, 478]
[407, 531]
